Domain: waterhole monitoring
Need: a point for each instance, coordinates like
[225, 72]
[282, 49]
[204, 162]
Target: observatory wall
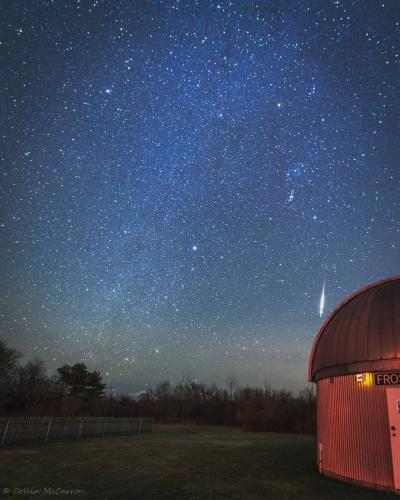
[353, 438]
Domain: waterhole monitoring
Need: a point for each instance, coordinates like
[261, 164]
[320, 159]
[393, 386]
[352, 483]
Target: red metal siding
[354, 431]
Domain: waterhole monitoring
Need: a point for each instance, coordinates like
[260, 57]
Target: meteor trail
[322, 301]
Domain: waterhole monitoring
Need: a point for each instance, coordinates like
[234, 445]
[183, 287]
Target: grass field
[174, 463]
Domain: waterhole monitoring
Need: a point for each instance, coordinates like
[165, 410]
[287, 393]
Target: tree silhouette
[77, 379]
[8, 364]
[232, 382]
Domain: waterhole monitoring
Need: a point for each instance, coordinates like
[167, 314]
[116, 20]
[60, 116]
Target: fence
[21, 429]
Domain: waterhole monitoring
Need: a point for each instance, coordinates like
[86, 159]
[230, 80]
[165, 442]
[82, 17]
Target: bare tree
[33, 385]
[8, 363]
[232, 382]
[9, 358]
[268, 389]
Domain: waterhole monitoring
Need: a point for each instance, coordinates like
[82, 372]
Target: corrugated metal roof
[362, 333]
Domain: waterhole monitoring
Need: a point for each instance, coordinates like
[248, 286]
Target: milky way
[179, 178]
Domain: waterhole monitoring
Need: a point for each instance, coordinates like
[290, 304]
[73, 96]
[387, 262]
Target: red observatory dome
[362, 334]
[355, 363]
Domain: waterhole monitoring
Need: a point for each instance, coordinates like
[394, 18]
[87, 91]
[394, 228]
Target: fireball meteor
[322, 301]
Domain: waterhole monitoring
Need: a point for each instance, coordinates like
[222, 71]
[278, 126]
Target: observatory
[355, 362]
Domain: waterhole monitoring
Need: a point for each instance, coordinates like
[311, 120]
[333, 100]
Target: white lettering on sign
[387, 378]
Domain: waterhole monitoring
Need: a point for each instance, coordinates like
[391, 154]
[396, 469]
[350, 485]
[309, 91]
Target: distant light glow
[364, 379]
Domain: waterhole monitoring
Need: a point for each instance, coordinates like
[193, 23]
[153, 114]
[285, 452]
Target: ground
[174, 463]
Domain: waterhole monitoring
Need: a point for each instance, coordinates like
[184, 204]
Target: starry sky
[178, 179]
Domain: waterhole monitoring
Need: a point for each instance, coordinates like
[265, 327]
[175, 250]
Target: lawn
[174, 463]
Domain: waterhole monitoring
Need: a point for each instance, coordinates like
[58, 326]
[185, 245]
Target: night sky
[178, 179]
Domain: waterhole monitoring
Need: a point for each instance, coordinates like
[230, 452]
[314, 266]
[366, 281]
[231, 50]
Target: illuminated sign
[364, 379]
[387, 378]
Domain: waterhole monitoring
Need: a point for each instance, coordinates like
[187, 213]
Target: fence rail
[42, 429]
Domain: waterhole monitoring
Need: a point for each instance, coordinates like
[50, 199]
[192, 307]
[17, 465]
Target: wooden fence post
[123, 428]
[80, 427]
[3, 438]
[48, 430]
[140, 424]
[105, 424]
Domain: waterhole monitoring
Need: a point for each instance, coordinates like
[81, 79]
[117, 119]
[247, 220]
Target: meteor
[322, 301]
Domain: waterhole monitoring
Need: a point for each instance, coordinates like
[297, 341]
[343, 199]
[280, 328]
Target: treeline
[250, 408]
[75, 391]
[28, 390]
